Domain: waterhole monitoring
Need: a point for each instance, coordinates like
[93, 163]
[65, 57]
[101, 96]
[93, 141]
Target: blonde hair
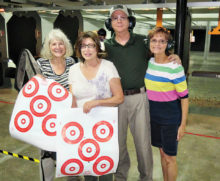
[55, 34]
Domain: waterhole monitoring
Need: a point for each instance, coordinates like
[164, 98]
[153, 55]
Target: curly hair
[55, 34]
[95, 38]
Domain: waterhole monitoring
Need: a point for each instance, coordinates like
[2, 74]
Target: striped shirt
[166, 85]
[47, 71]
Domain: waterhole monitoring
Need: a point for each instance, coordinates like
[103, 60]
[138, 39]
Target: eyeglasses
[89, 46]
[116, 18]
[154, 41]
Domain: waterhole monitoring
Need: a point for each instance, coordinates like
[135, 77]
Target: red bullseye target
[23, 121]
[88, 150]
[103, 165]
[102, 131]
[31, 88]
[57, 92]
[40, 106]
[49, 125]
[72, 167]
[72, 133]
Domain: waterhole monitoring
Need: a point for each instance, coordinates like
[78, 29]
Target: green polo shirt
[131, 60]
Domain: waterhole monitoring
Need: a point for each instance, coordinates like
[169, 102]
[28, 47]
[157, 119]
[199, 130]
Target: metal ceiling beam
[132, 6]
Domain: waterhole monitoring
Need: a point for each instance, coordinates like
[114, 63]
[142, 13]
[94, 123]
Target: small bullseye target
[72, 167]
[31, 88]
[102, 131]
[40, 106]
[49, 125]
[57, 92]
[72, 133]
[88, 150]
[23, 121]
[103, 165]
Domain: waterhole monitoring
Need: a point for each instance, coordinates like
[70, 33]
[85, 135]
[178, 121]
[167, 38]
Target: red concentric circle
[57, 92]
[103, 165]
[31, 88]
[102, 131]
[40, 106]
[72, 133]
[49, 125]
[88, 150]
[72, 167]
[23, 121]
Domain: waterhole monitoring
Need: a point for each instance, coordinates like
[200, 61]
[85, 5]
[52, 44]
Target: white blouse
[97, 88]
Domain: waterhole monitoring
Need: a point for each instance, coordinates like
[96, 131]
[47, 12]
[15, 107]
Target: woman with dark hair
[94, 81]
[168, 97]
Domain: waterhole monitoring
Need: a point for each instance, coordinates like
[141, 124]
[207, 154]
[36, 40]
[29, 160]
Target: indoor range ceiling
[202, 11]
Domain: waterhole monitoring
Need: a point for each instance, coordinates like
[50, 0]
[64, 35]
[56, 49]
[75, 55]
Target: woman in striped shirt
[168, 98]
[55, 64]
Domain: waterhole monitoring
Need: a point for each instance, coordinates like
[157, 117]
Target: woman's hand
[89, 105]
[181, 132]
[174, 58]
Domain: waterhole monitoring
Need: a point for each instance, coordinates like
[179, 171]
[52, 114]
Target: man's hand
[174, 58]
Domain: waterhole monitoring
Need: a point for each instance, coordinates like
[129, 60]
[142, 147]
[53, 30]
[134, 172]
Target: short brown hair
[95, 38]
[164, 31]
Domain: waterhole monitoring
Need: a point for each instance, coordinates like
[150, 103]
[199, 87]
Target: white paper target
[23, 121]
[40, 106]
[89, 138]
[72, 133]
[88, 150]
[57, 92]
[102, 131]
[34, 117]
[72, 167]
[49, 125]
[31, 88]
[103, 165]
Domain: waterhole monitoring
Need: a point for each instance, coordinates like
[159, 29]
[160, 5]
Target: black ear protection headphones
[170, 43]
[131, 19]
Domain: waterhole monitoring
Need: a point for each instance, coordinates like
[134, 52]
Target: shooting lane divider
[20, 156]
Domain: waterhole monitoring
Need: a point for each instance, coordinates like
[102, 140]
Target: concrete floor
[198, 157]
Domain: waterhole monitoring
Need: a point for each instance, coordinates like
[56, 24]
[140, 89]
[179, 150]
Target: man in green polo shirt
[128, 52]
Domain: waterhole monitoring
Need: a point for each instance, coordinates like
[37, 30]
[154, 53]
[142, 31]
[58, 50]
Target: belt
[134, 91]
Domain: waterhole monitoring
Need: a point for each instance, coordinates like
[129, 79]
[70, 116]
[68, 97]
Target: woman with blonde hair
[54, 63]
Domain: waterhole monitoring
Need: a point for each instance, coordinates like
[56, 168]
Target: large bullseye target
[88, 150]
[23, 121]
[72, 133]
[40, 106]
[49, 125]
[103, 165]
[57, 92]
[102, 131]
[72, 167]
[31, 88]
